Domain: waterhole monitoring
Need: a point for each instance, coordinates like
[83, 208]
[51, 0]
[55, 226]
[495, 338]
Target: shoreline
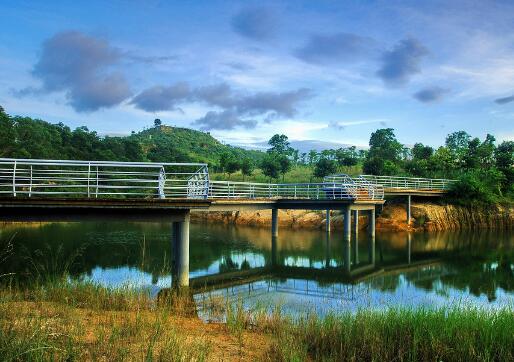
[426, 217]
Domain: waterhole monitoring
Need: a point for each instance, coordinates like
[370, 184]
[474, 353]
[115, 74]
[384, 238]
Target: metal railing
[413, 183]
[106, 179]
[316, 191]
[94, 179]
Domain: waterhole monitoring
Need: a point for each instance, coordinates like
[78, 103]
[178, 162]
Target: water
[466, 268]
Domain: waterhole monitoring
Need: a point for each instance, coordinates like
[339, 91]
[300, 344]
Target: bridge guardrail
[414, 183]
[315, 191]
[93, 179]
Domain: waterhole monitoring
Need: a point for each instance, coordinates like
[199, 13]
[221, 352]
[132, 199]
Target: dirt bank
[426, 216]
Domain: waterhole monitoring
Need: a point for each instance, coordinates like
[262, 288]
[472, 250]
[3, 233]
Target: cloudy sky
[315, 70]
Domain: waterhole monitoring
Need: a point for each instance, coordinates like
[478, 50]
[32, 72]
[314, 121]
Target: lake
[418, 270]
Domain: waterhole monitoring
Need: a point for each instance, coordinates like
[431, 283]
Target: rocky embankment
[393, 217]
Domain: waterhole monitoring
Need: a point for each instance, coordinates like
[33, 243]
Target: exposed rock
[425, 217]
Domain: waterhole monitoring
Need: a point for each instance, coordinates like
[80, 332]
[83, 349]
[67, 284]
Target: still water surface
[472, 268]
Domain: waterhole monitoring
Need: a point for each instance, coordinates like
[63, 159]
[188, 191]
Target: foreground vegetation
[80, 321]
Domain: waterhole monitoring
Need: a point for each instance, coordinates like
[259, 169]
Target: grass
[82, 321]
[297, 174]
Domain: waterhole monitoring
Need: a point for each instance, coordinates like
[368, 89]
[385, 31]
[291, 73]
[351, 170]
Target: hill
[24, 137]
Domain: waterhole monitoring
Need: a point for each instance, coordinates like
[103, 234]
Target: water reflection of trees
[480, 260]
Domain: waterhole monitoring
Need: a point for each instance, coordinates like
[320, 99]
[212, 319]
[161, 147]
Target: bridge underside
[17, 208]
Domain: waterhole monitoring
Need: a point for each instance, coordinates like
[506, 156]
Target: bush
[478, 186]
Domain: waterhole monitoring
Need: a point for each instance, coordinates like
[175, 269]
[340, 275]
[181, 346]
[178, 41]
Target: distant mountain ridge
[303, 146]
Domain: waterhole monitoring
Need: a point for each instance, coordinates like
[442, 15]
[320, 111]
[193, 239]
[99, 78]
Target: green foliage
[247, 167]
[478, 186]
[347, 156]
[325, 167]
[280, 144]
[384, 153]
[270, 166]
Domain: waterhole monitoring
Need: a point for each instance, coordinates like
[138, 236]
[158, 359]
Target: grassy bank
[60, 321]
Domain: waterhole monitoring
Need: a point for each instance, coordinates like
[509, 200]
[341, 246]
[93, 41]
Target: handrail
[93, 179]
[107, 179]
[414, 183]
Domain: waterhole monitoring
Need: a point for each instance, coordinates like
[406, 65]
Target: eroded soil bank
[426, 216]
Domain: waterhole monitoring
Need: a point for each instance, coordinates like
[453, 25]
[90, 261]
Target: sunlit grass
[77, 321]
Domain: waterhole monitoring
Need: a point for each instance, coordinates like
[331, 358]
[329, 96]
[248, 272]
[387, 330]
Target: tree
[325, 167]
[457, 143]
[285, 164]
[247, 167]
[421, 152]
[347, 156]
[280, 144]
[229, 163]
[312, 157]
[157, 122]
[7, 135]
[384, 153]
[270, 166]
[504, 155]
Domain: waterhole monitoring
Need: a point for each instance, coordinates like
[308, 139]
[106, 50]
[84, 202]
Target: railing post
[97, 182]
[14, 180]
[88, 178]
[30, 186]
[162, 181]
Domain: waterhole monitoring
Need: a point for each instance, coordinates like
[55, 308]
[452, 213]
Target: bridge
[76, 190]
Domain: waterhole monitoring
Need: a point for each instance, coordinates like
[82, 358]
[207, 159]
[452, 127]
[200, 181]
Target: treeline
[485, 169]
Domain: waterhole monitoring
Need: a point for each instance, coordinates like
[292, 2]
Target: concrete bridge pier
[180, 252]
[274, 222]
[327, 220]
[355, 236]
[347, 238]
[371, 236]
[408, 209]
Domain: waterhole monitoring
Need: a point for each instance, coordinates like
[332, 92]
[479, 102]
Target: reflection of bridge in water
[76, 190]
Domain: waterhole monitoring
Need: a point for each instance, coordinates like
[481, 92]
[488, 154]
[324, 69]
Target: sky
[331, 71]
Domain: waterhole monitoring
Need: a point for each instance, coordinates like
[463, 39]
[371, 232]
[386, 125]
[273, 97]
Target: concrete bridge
[77, 190]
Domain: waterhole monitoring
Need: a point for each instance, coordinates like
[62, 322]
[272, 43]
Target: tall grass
[399, 335]
[83, 321]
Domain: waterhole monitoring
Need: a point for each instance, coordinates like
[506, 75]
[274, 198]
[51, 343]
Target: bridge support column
[274, 223]
[180, 253]
[371, 236]
[347, 239]
[327, 220]
[408, 209]
[355, 236]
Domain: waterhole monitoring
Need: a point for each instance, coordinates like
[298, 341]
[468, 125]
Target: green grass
[298, 174]
[402, 335]
[50, 321]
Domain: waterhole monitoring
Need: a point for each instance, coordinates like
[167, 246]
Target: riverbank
[426, 216]
[86, 322]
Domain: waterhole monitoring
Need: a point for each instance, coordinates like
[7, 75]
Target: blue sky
[315, 70]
